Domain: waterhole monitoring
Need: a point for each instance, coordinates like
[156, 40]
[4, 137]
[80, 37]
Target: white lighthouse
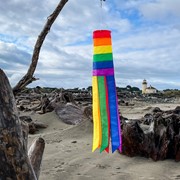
[144, 86]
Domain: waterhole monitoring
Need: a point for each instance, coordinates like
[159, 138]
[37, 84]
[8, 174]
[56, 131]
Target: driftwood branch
[28, 77]
[35, 154]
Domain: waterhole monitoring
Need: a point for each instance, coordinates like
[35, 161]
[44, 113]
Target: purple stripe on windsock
[103, 72]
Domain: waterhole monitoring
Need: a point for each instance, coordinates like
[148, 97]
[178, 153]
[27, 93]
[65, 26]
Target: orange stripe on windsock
[102, 41]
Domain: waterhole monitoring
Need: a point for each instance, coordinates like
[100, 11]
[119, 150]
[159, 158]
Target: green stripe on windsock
[103, 112]
[103, 57]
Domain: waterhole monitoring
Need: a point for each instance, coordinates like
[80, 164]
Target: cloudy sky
[145, 35]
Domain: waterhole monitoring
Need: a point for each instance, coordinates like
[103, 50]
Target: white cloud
[146, 49]
[161, 9]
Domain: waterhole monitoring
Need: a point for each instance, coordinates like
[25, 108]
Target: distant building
[144, 86]
[146, 89]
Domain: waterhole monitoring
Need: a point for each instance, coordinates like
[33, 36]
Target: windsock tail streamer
[106, 120]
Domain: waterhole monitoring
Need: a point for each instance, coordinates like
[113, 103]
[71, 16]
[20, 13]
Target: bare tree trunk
[14, 163]
[28, 77]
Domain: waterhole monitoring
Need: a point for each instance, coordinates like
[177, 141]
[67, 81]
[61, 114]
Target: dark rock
[156, 109]
[177, 110]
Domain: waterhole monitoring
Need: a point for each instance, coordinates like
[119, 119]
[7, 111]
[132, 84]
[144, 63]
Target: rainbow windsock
[106, 122]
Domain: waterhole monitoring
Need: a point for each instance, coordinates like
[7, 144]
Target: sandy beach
[68, 152]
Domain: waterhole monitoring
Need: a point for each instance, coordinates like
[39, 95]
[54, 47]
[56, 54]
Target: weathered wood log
[88, 112]
[14, 163]
[177, 147]
[32, 126]
[25, 130]
[157, 135]
[35, 154]
[46, 105]
[67, 97]
[40, 125]
[43, 106]
[70, 113]
[48, 101]
[35, 126]
[27, 119]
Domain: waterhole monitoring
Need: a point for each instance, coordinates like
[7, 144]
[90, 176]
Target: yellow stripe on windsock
[102, 49]
[97, 132]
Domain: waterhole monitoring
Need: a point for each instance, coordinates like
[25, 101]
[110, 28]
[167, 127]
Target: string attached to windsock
[101, 2]
[106, 121]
